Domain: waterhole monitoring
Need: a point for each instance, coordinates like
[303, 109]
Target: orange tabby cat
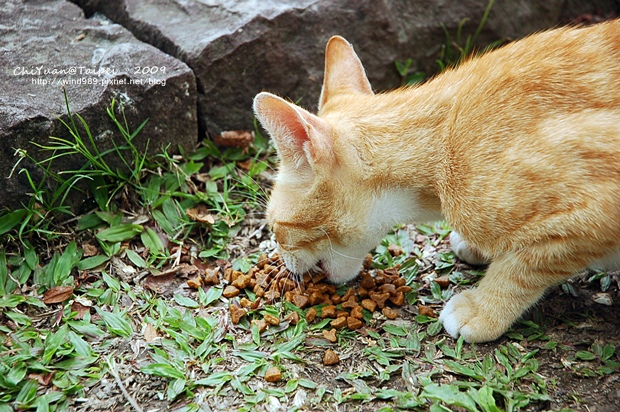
[519, 150]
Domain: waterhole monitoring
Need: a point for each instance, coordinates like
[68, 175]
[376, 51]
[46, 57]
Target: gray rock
[238, 48]
[46, 43]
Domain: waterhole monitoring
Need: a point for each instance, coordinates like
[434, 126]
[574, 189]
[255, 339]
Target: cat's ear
[343, 71]
[302, 139]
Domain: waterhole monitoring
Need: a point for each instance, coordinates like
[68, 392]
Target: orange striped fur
[519, 150]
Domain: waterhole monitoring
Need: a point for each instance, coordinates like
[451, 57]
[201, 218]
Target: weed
[455, 50]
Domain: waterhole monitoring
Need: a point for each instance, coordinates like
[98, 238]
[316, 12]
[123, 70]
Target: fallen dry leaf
[81, 309]
[126, 272]
[57, 294]
[160, 283]
[200, 214]
[150, 334]
[186, 270]
[89, 250]
[234, 138]
[42, 378]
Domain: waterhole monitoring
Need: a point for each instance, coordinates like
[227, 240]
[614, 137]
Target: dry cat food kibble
[273, 375]
[270, 282]
[330, 358]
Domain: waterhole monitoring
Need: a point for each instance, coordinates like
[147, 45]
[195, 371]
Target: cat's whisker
[331, 248]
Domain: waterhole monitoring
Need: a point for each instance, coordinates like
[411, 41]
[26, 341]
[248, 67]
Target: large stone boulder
[45, 45]
[238, 48]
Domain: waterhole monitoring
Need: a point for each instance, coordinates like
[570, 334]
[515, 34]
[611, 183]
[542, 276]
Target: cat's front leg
[465, 251]
[507, 290]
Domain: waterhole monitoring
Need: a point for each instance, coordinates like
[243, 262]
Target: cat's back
[536, 130]
[559, 70]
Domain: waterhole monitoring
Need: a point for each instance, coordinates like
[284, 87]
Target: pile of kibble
[271, 282]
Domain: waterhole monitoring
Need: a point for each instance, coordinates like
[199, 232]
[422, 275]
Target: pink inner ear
[282, 121]
[293, 122]
[301, 137]
[343, 71]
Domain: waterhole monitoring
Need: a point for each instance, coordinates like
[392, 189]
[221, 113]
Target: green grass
[139, 215]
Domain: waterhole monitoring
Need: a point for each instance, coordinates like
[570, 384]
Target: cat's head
[322, 211]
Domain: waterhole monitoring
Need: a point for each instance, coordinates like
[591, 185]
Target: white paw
[464, 251]
[452, 322]
[464, 316]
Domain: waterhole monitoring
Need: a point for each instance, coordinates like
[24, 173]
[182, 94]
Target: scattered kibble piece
[261, 324]
[262, 261]
[404, 289]
[399, 281]
[272, 320]
[241, 282]
[330, 358]
[389, 313]
[273, 375]
[315, 298]
[330, 335]
[272, 295]
[212, 276]
[328, 311]
[230, 292]
[343, 313]
[348, 295]
[300, 301]
[395, 250]
[443, 281]
[380, 298]
[369, 305]
[362, 292]
[427, 311]
[259, 291]
[194, 283]
[398, 299]
[350, 303]
[228, 275]
[338, 323]
[354, 323]
[292, 317]
[357, 312]
[389, 288]
[245, 303]
[311, 315]
[236, 313]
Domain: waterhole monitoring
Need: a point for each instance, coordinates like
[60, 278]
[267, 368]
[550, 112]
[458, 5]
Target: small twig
[117, 378]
